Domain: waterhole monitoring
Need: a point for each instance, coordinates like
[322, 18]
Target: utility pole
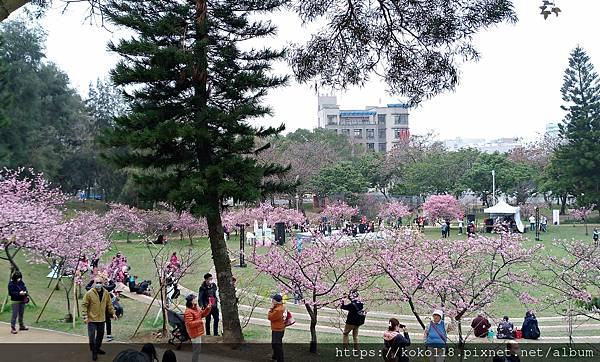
[494, 186]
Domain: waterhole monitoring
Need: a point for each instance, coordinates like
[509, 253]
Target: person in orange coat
[194, 324]
[277, 315]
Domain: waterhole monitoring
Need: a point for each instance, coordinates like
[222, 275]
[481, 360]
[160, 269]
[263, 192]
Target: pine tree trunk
[232, 328]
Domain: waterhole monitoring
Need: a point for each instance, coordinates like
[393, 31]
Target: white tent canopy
[502, 208]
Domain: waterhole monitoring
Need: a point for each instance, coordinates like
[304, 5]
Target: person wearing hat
[276, 316]
[194, 324]
[435, 337]
[19, 297]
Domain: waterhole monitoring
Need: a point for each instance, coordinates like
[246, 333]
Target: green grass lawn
[141, 263]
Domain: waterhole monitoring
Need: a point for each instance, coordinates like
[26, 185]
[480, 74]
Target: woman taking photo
[395, 339]
[19, 297]
[194, 324]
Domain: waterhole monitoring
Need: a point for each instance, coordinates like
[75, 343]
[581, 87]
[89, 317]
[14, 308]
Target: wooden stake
[145, 314]
[47, 300]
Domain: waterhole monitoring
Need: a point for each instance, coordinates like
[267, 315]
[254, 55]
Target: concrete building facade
[377, 128]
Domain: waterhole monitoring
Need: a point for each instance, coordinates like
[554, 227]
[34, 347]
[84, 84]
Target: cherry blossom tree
[127, 219]
[29, 209]
[85, 236]
[190, 225]
[457, 276]
[573, 279]
[528, 208]
[393, 210]
[263, 212]
[339, 211]
[442, 207]
[582, 214]
[320, 276]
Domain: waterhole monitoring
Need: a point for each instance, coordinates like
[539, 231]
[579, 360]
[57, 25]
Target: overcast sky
[514, 90]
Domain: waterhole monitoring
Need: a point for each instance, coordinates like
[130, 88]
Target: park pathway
[554, 329]
[41, 345]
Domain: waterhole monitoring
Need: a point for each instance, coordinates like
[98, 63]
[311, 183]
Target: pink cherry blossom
[442, 207]
[339, 211]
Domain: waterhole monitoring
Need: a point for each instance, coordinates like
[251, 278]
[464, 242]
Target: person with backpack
[530, 326]
[277, 316]
[395, 339]
[436, 335]
[506, 330]
[480, 326]
[355, 318]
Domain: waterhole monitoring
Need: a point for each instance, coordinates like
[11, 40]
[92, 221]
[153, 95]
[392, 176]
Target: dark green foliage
[416, 46]
[43, 120]
[192, 88]
[188, 132]
[579, 152]
[343, 181]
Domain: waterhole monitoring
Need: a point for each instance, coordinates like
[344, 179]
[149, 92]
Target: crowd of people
[101, 305]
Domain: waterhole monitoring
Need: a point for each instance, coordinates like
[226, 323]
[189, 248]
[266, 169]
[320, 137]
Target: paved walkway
[40, 344]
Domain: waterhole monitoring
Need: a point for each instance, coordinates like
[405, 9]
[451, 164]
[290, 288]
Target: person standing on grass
[276, 316]
[19, 298]
[96, 303]
[194, 324]
[436, 335]
[355, 318]
[596, 235]
[207, 295]
[532, 223]
[460, 226]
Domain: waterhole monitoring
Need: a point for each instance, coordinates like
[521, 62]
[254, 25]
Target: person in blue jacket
[530, 328]
[19, 297]
[436, 335]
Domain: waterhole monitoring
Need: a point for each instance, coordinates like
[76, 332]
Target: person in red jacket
[276, 316]
[194, 324]
[481, 326]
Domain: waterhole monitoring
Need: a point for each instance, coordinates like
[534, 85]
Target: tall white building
[377, 128]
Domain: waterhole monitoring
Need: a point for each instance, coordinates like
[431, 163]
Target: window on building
[346, 131]
[401, 133]
[381, 133]
[401, 119]
[358, 133]
[381, 119]
[370, 133]
[382, 147]
[370, 147]
[331, 120]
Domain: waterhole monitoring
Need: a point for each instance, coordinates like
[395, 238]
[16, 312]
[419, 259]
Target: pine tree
[579, 153]
[192, 88]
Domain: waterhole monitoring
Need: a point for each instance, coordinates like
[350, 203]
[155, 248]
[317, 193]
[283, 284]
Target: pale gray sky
[514, 90]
